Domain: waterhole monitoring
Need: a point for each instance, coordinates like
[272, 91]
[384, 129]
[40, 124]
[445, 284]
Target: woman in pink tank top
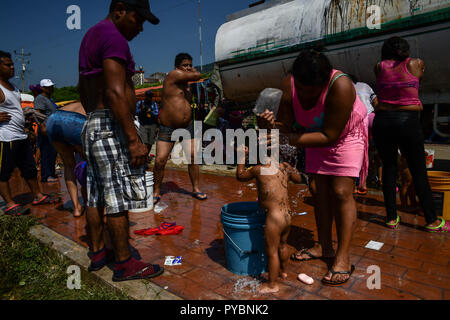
[323, 101]
[397, 126]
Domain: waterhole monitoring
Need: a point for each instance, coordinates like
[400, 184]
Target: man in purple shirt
[115, 154]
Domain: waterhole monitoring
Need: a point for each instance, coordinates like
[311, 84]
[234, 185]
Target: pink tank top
[396, 85]
[312, 119]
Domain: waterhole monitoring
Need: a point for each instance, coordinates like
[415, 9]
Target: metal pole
[24, 66]
[200, 32]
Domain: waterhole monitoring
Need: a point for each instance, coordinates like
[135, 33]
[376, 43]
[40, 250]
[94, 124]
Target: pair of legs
[18, 154]
[333, 198]
[163, 150]
[402, 129]
[118, 227]
[5, 191]
[278, 226]
[67, 153]
[407, 193]
[48, 159]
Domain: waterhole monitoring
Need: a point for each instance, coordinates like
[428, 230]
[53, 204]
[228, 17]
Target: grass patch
[29, 270]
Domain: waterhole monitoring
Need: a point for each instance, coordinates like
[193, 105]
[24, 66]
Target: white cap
[47, 83]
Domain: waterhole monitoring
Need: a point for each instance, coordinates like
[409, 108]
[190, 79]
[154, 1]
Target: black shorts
[17, 154]
[165, 133]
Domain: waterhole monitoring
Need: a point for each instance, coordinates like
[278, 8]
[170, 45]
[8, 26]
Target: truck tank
[256, 47]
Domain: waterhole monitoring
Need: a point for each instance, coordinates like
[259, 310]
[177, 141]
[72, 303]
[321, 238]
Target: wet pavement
[414, 264]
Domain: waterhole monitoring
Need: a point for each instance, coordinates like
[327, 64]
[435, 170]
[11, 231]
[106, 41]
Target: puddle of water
[246, 285]
[160, 206]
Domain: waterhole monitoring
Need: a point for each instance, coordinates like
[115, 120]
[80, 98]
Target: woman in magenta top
[324, 102]
[397, 125]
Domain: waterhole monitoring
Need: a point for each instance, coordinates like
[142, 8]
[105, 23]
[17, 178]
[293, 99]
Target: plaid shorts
[111, 181]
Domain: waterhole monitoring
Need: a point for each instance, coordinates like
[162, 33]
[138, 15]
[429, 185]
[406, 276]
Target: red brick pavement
[414, 264]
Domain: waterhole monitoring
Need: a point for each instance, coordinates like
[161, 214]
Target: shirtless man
[115, 154]
[273, 199]
[176, 113]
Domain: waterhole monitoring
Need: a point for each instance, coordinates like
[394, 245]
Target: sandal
[338, 283]
[362, 192]
[16, 210]
[152, 231]
[198, 195]
[156, 200]
[443, 227]
[304, 251]
[395, 224]
[47, 199]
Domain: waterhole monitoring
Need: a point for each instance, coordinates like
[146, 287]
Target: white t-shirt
[15, 128]
[366, 94]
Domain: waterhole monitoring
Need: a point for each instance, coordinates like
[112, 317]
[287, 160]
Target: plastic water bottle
[269, 98]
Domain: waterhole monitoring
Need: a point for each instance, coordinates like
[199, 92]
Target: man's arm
[82, 89]
[178, 75]
[115, 93]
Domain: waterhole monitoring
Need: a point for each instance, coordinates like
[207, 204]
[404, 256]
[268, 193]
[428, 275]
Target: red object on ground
[165, 229]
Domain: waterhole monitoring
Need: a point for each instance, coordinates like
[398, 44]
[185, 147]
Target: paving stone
[414, 264]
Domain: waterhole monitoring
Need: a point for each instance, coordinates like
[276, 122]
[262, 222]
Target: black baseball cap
[142, 7]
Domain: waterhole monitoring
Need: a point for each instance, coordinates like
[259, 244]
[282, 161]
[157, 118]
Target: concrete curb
[136, 289]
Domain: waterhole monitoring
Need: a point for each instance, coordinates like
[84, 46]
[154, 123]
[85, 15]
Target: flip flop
[16, 210]
[152, 231]
[170, 231]
[304, 251]
[156, 200]
[197, 195]
[362, 193]
[338, 283]
[46, 199]
[395, 224]
[443, 227]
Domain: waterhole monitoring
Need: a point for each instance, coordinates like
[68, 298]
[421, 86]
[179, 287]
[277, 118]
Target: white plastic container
[149, 184]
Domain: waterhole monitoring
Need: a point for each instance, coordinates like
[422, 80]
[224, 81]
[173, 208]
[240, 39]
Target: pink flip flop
[443, 227]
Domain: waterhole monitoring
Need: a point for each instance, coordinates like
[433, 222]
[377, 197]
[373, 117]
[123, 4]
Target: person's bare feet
[267, 288]
[78, 211]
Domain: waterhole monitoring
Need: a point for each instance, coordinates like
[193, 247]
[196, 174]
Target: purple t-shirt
[101, 42]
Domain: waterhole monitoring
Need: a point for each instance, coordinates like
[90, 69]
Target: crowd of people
[105, 139]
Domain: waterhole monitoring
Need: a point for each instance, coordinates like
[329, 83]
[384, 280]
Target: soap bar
[305, 278]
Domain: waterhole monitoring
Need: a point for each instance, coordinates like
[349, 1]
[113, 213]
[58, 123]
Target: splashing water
[160, 206]
[242, 284]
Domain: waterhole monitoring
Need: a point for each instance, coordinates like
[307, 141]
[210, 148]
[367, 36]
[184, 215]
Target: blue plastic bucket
[243, 228]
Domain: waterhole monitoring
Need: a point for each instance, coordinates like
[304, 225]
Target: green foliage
[148, 85]
[30, 270]
[66, 94]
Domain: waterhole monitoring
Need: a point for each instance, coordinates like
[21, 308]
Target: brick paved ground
[414, 264]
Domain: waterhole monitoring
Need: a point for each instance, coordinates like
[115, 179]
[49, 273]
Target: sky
[40, 28]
